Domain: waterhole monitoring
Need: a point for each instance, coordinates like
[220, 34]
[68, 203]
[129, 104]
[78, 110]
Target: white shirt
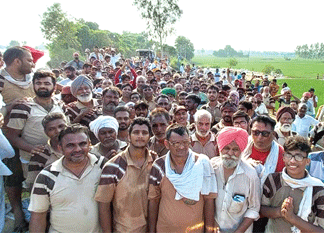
[244, 182]
[303, 124]
[261, 109]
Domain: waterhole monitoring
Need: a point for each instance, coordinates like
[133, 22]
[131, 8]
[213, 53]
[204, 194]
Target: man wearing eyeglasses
[293, 199]
[241, 120]
[182, 188]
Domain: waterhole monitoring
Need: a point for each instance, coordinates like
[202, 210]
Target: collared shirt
[39, 161]
[70, 199]
[276, 190]
[214, 111]
[125, 184]
[153, 145]
[245, 183]
[28, 118]
[316, 166]
[96, 148]
[151, 104]
[281, 139]
[303, 124]
[174, 215]
[208, 149]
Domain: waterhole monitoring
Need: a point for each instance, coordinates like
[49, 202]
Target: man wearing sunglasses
[293, 199]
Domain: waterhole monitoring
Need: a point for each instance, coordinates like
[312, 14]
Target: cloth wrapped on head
[103, 122]
[36, 54]
[230, 134]
[307, 94]
[78, 82]
[283, 110]
[169, 91]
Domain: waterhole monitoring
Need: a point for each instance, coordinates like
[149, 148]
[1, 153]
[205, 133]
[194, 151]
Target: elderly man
[110, 100]
[159, 119]
[182, 187]
[293, 199]
[105, 128]
[285, 117]
[85, 109]
[238, 185]
[53, 124]
[203, 140]
[123, 184]
[303, 122]
[163, 102]
[66, 188]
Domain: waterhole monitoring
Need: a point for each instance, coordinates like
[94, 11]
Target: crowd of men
[129, 145]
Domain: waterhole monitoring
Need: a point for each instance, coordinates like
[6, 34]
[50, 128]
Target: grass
[295, 68]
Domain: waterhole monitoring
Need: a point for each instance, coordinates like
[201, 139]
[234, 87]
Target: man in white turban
[105, 128]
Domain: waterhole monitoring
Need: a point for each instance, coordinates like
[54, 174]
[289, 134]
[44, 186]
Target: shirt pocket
[237, 203]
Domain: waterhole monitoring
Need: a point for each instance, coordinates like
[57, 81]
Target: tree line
[313, 51]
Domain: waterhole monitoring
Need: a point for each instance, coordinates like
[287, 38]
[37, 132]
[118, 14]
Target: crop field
[294, 68]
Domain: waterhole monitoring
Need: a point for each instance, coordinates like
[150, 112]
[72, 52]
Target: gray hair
[202, 113]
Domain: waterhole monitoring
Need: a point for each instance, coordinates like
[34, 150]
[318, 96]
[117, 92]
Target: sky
[256, 25]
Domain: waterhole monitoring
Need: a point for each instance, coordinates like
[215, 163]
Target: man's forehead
[140, 127]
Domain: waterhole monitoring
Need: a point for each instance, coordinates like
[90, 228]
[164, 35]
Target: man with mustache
[122, 115]
[213, 106]
[203, 141]
[285, 117]
[227, 111]
[123, 184]
[105, 128]
[110, 100]
[238, 185]
[160, 120]
[66, 188]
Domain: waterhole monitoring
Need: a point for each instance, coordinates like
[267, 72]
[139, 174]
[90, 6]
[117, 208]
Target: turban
[36, 54]
[282, 110]
[169, 91]
[103, 122]
[235, 93]
[307, 94]
[284, 90]
[230, 134]
[258, 96]
[78, 82]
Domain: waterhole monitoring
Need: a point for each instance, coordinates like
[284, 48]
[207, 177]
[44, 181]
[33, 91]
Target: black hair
[14, 52]
[121, 109]
[74, 129]
[246, 104]
[43, 74]
[52, 117]
[176, 128]
[194, 97]
[264, 119]
[140, 121]
[297, 143]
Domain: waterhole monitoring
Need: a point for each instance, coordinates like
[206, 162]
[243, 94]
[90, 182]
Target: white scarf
[305, 206]
[197, 177]
[22, 84]
[270, 164]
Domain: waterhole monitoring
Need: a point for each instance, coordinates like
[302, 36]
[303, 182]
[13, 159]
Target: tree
[232, 62]
[13, 43]
[268, 69]
[184, 47]
[160, 15]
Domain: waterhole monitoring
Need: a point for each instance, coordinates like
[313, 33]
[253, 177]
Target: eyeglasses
[178, 144]
[240, 123]
[263, 133]
[298, 158]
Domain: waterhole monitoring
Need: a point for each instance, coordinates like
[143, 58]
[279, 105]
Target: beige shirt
[208, 149]
[69, 199]
[244, 182]
[28, 118]
[125, 185]
[215, 112]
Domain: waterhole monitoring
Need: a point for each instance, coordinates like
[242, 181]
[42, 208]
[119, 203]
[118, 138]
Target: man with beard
[203, 140]
[160, 120]
[85, 109]
[227, 111]
[122, 115]
[126, 93]
[238, 185]
[196, 90]
[70, 73]
[110, 100]
[105, 128]
[53, 124]
[182, 98]
[182, 188]
[148, 97]
[303, 122]
[123, 184]
[213, 106]
[26, 132]
[66, 188]
[285, 117]
[76, 63]
[192, 103]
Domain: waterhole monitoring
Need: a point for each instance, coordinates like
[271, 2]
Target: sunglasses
[263, 133]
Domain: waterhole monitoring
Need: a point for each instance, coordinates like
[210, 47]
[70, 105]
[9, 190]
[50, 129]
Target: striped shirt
[125, 185]
[276, 190]
[39, 161]
[28, 118]
[69, 199]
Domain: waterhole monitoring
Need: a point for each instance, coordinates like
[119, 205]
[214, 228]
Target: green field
[295, 68]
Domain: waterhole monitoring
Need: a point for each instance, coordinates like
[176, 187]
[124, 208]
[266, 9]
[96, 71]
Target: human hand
[287, 209]
[38, 149]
